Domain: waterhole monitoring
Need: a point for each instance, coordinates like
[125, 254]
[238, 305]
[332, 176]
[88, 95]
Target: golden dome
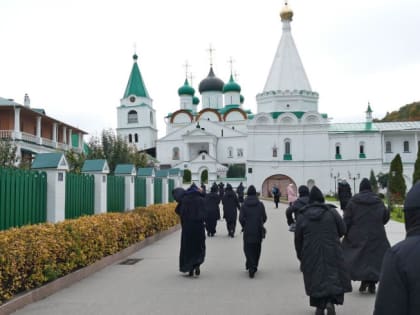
[286, 13]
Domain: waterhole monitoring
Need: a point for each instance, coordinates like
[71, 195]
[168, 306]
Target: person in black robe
[318, 247]
[365, 242]
[212, 201]
[276, 195]
[230, 209]
[240, 192]
[292, 212]
[399, 283]
[192, 213]
[203, 189]
[252, 218]
[344, 193]
[221, 190]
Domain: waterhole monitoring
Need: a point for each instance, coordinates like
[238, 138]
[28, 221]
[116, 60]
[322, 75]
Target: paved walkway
[154, 286]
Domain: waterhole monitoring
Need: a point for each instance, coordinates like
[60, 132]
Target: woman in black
[212, 201]
[252, 217]
[193, 238]
[230, 209]
[240, 192]
[317, 242]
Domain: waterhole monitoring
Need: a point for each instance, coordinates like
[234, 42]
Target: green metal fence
[115, 193]
[158, 190]
[171, 186]
[80, 195]
[23, 197]
[140, 192]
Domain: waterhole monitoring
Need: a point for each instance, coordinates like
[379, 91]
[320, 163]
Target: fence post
[99, 169]
[55, 166]
[149, 174]
[128, 171]
[164, 174]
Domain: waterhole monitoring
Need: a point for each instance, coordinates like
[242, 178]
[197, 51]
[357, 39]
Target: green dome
[231, 86]
[196, 100]
[241, 99]
[186, 89]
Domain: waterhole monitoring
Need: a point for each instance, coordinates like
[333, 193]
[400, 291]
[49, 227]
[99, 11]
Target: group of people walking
[199, 212]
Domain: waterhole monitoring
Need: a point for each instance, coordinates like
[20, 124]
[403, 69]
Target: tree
[187, 176]
[416, 173]
[75, 160]
[8, 150]
[373, 182]
[236, 171]
[397, 187]
[383, 180]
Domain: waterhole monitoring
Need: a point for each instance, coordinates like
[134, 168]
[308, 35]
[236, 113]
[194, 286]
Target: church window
[132, 117]
[151, 117]
[136, 138]
[240, 152]
[130, 138]
[175, 153]
[338, 151]
[388, 147]
[287, 146]
[274, 151]
[362, 154]
[406, 147]
[230, 152]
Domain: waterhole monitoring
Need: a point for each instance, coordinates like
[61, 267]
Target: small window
[362, 149]
[388, 147]
[175, 153]
[287, 147]
[136, 138]
[230, 152]
[274, 152]
[240, 152]
[130, 138]
[406, 147]
[132, 117]
[338, 151]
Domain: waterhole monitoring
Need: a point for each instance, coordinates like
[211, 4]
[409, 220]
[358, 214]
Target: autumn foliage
[32, 255]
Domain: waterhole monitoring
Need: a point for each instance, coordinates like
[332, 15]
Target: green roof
[145, 171]
[162, 173]
[227, 108]
[175, 171]
[196, 100]
[352, 127]
[186, 89]
[231, 86]
[49, 160]
[369, 110]
[277, 114]
[95, 166]
[135, 85]
[124, 169]
[75, 143]
[241, 98]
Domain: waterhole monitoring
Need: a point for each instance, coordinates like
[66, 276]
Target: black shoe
[319, 311]
[197, 271]
[208, 234]
[251, 273]
[191, 273]
[372, 288]
[363, 286]
[330, 308]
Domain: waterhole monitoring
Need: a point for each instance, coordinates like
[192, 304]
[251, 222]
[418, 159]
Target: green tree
[397, 187]
[416, 173]
[383, 180]
[236, 171]
[75, 160]
[373, 182]
[8, 150]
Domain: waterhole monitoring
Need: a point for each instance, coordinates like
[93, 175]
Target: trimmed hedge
[33, 255]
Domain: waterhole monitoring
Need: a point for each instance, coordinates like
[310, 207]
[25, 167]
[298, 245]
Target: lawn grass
[397, 214]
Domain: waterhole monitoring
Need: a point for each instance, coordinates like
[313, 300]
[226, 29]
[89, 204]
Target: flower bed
[33, 255]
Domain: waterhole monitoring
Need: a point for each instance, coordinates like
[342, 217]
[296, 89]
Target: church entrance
[281, 180]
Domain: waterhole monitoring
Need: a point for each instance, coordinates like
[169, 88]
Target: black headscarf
[228, 187]
[365, 185]
[412, 209]
[316, 195]
[303, 191]
[214, 188]
[251, 191]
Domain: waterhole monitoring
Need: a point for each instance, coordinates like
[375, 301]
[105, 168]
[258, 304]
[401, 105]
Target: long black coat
[230, 206]
[252, 217]
[240, 192]
[365, 243]
[212, 201]
[344, 194]
[192, 211]
[318, 247]
[293, 209]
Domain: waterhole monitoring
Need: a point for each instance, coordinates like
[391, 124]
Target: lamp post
[335, 186]
[354, 184]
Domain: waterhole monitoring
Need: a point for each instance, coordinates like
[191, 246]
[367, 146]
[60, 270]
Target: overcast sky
[74, 57]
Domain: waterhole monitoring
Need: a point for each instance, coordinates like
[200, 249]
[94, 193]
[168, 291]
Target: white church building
[287, 141]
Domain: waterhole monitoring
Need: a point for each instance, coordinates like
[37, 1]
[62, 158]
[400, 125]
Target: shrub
[35, 254]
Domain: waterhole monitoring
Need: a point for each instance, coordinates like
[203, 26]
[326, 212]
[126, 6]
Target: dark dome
[211, 83]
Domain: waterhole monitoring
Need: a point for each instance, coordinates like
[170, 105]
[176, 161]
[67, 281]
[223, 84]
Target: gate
[171, 186]
[23, 197]
[158, 190]
[80, 195]
[115, 193]
[140, 192]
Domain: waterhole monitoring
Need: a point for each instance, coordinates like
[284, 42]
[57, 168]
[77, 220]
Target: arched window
[388, 147]
[132, 117]
[130, 138]
[230, 152]
[287, 147]
[136, 138]
[175, 153]
[406, 147]
[338, 151]
[362, 153]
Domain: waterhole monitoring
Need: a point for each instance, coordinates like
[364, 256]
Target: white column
[186, 152]
[101, 181]
[165, 193]
[150, 191]
[129, 192]
[80, 141]
[64, 134]
[38, 129]
[17, 132]
[69, 141]
[54, 132]
[56, 195]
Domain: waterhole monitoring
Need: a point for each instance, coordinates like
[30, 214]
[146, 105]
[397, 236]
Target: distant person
[240, 192]
[292, 212]
[275, 191]
[318, 247]
[344, 193]
[203, 188]
[291, 194]
[252, 218]
[221, 190]
[212, 201]
[230, 209]
[192, 213]
[365, 242]
[399, 283]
